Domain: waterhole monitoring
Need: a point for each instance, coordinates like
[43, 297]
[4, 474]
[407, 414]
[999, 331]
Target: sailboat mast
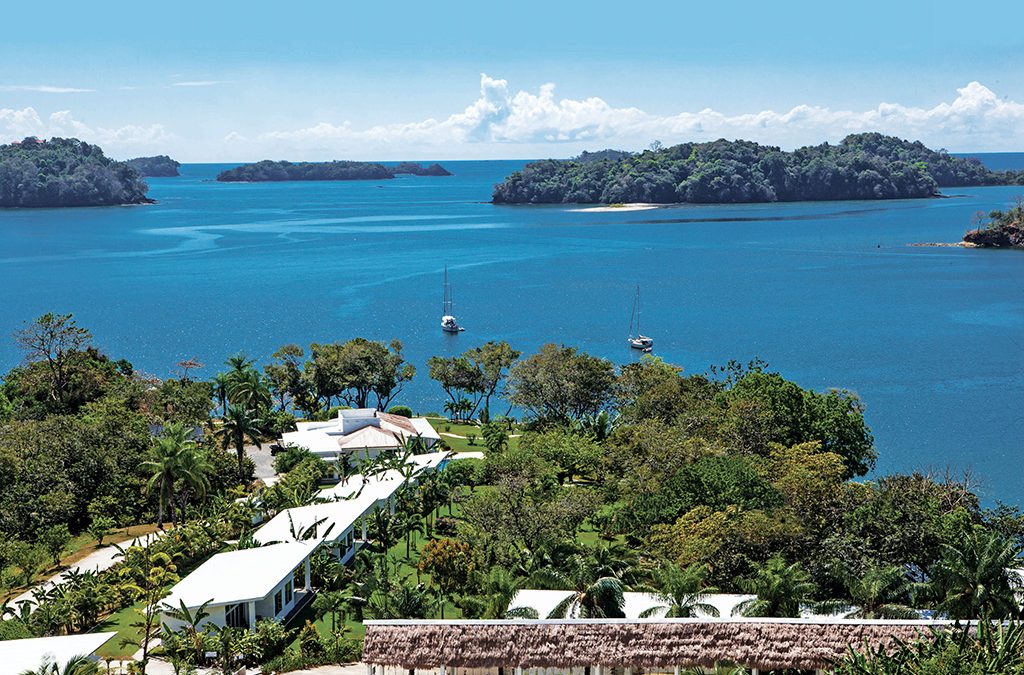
[639, 332]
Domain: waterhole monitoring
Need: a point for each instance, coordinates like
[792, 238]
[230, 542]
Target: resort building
[598, 646]
[273, 580]
[360, 433]
[17, 656]
[241, 587]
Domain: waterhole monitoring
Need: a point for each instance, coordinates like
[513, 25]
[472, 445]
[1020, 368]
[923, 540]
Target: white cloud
[976, 119]
[195, 83]
[43, 89]
[17, 124]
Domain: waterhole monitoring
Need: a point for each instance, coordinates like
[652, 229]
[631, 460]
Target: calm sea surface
[828, 293]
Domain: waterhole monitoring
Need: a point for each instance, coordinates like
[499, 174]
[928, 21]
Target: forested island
[862, 166]
[269, 171]
[160, 166]
[415, 169]
[65, 172]
[1002, 229]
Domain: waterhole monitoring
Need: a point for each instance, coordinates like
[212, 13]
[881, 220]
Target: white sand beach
[617, 207]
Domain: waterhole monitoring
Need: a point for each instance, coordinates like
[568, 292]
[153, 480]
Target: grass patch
[121, 621]
[456, 436]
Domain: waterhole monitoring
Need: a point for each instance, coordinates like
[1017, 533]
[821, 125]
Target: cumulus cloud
[975, 119]
[17, 124]
[43, 89]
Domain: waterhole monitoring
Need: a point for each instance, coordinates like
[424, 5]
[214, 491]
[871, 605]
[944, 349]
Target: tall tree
[561, 384]
[54, 339]
[174, 459]
[238, 426]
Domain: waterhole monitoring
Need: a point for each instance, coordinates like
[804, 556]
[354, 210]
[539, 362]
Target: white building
[17, 656]
[242, 587]
[359, 433]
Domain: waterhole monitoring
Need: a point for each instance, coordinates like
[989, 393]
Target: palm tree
[681, 592]
[191, 620]
[76, 665]
[174, 459]
[499, 588]
[239, 425]
[614, 560]
[880, 594]
[973, 579]
[592, 596]
[781, 590]
[220, 384]
[248, 389]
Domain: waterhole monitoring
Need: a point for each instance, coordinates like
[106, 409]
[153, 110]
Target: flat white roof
[350, 501]
[239, 576]
[20, 655]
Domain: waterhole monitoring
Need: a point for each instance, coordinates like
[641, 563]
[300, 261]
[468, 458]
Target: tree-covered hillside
[65, 172]
[862, 166]
[159, 166]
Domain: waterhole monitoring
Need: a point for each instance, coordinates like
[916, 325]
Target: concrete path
[263, 460]
[97, 561]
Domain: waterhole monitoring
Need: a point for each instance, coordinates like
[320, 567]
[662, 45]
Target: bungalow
[634, 607]
[360, 433]
[342, 521]
[241, 587]
[29, 654]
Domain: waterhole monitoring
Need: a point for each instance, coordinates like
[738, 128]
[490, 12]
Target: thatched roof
[768, 644]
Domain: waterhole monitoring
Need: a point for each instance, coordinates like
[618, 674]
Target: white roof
[350, 501]
[239, 576]
[376, 429]
[20, 655]
[636, 603]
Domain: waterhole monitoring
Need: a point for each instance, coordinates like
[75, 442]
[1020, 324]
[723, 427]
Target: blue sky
[317, 80]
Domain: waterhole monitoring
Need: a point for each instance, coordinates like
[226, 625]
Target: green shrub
[402, 410]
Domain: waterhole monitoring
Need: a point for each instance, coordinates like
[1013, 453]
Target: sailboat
[638, 341]
[448, 322]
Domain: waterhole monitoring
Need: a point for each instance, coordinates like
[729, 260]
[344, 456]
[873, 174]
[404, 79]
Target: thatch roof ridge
[768, 644]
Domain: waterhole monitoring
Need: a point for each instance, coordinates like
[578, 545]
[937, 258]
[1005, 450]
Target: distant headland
[862, 166]
[269, 171]
[159, 166]
[1002, 229]
[65, 172]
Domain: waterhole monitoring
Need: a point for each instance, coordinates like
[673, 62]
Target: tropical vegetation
[861, 166]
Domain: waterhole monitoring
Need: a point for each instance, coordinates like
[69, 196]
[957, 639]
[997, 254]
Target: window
[288, 593]
[277, 603]
[236, 616]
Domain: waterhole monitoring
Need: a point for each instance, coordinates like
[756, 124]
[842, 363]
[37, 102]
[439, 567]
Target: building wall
[216, 618]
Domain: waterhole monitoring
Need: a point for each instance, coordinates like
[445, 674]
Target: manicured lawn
[457, 436]
[121, 621]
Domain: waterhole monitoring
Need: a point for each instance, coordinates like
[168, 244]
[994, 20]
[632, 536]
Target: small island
[862, 166]
[271, 171]
[159, 166]
[65, 172]
[1002, 229]
[415, 169]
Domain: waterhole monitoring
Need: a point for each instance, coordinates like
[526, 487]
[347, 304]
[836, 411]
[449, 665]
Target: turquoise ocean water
[830, 294]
